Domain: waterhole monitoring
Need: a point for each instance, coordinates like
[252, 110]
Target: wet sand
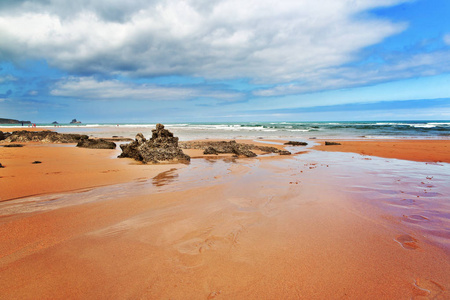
[416, 150]
[308, 226]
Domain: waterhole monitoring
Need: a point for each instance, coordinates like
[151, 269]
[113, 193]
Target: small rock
[13, 145]
[1, 166]
[331, 144]
[37, 162]
[294, 143]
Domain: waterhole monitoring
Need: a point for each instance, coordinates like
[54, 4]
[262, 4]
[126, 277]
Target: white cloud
[423, 64]
[266, 40]
[7, 78]
[447, 39]
[88, 88]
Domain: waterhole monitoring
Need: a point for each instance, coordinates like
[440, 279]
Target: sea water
[266, 130]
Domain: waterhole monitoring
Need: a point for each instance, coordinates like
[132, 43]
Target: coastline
[299, 226]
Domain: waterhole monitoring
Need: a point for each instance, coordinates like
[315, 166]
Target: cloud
[7, 78]
[265, 40]
[447, 39]
[395, 67]
[88, 88]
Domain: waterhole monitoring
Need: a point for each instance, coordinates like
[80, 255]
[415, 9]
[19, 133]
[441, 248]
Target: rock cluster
[44, 137]
[237, 149]
[161, 148]
[96, 144]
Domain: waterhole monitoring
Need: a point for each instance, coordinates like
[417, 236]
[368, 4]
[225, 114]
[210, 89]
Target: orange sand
[9, 129]
[65, 168]
[259, 229]
[416, 150]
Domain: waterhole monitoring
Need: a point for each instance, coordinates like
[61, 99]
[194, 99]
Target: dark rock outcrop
[1, 166]
[331, 144]
[4, 135]
[96, 144]
[44, 137]
[13, 145]
[74, 121]
[294, 143]
[238, 149]
[161, 148]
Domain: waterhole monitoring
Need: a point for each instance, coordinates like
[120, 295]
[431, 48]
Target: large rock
[161, 148]
[238, 149]
[44, 137]
[96, 144]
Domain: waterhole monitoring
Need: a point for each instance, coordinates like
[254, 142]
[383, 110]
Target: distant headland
[12, 121]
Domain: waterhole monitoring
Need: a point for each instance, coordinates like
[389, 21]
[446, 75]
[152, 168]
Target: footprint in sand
[415, 218]
[406, 241]
[428, 289]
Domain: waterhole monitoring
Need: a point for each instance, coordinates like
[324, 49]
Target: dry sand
[276, 228]
[416, 150]
[65, 168]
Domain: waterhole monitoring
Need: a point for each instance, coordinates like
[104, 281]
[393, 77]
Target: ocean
[267, 130]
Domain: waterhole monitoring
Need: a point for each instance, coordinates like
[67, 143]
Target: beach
[363, 220]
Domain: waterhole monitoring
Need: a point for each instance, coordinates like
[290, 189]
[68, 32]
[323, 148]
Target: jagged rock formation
[294, 143]
[96, 144]
[161, 148]
[74, 121]
[44, 137]
[2, 136]
[238, 149]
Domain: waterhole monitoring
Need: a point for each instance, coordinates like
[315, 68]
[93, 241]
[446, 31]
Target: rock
[96, 144]
[74, 121]
[284, 152]
[54, 123]
[210, 150]
[161, 148]
[37, 162]
[44, 137]
[1, 166]
[13, 145]
[331, 144]
[294, 143]
[238, 149]
[4, 135]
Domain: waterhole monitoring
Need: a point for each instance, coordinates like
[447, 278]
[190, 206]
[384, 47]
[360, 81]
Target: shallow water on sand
[315, 225]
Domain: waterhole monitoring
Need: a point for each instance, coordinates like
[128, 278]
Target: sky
[147, 61]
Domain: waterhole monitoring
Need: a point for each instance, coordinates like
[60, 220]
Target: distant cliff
[12, 121]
